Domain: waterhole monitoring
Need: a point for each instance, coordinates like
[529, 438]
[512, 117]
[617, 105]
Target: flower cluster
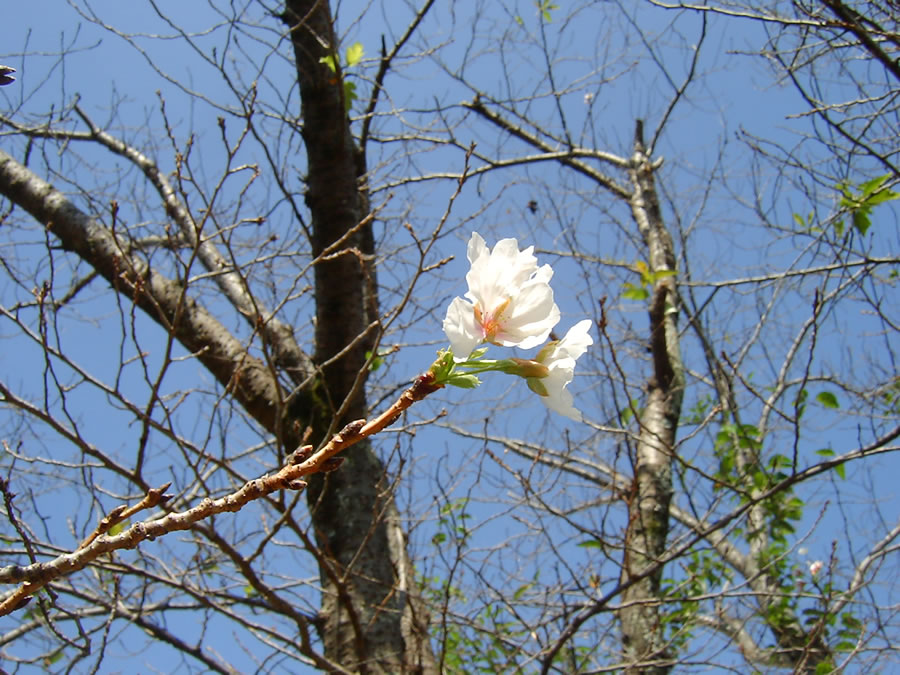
[510, 303]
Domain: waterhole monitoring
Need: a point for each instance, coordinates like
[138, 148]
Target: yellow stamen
[491, 323]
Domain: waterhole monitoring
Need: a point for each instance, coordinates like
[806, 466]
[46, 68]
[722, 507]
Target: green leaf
[354, 54]
[861, 220]
[521, 590]
[839, 227]
[477, 353]
[851, 622]
[376, 363]
[841, 471]
[643, 269]
[827, 399]
[871, 186]
[464, 381]
[628, 412]
[349, 94]
[53, 658]
[591, 543]
[546, 6]
[633, 292]
[331, 61]
[825, 452]
[118, 528]
[249, 591]
[780, 462]
[662, 274]
[871, 194]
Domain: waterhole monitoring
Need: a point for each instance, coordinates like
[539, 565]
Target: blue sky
[705, 135]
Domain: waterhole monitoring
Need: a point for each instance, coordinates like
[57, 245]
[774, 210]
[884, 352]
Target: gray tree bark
[651, 493]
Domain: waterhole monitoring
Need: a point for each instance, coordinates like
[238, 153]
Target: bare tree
[711, 493]
[369, 618]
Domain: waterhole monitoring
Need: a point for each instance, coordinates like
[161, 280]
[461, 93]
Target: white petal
[461, 329]
[476, 247]
[530, 317]
[497, 275]
[575, 343]
[558, 397]
[544, 273]
[509, 291]
[560, 359]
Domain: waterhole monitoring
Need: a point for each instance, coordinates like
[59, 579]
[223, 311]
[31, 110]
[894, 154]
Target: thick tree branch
[276, 334]
[163, 300]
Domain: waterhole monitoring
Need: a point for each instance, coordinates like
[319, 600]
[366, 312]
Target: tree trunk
[371, 619]
[648, 513]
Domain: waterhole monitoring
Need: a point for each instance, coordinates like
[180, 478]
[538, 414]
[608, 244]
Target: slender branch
[598, 176]
[276, 333]
[850, 19]
[301, 463]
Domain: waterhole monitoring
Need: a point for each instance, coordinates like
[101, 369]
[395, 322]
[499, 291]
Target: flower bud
[526, 368]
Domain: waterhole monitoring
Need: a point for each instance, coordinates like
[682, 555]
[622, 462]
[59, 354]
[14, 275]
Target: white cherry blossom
[509, 302]
[559, 358]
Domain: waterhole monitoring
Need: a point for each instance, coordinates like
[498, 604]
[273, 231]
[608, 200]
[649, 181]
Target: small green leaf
[477, 353]
[591, 543]
[53, 658]
[521, 590]
[354, 53]
[644, 270]
[841, 471]
[871, 194]
[376, 363]
[546, 6]
[871, 186]
[825, 452]
[118, 528]
[329, 61]
[349, 94]
[662, 274]
[827, 399]
[249, 591]
[861, 220]
[839, 227]
[628, 412]
[633, 292]
[851, 622]
[464, 381]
